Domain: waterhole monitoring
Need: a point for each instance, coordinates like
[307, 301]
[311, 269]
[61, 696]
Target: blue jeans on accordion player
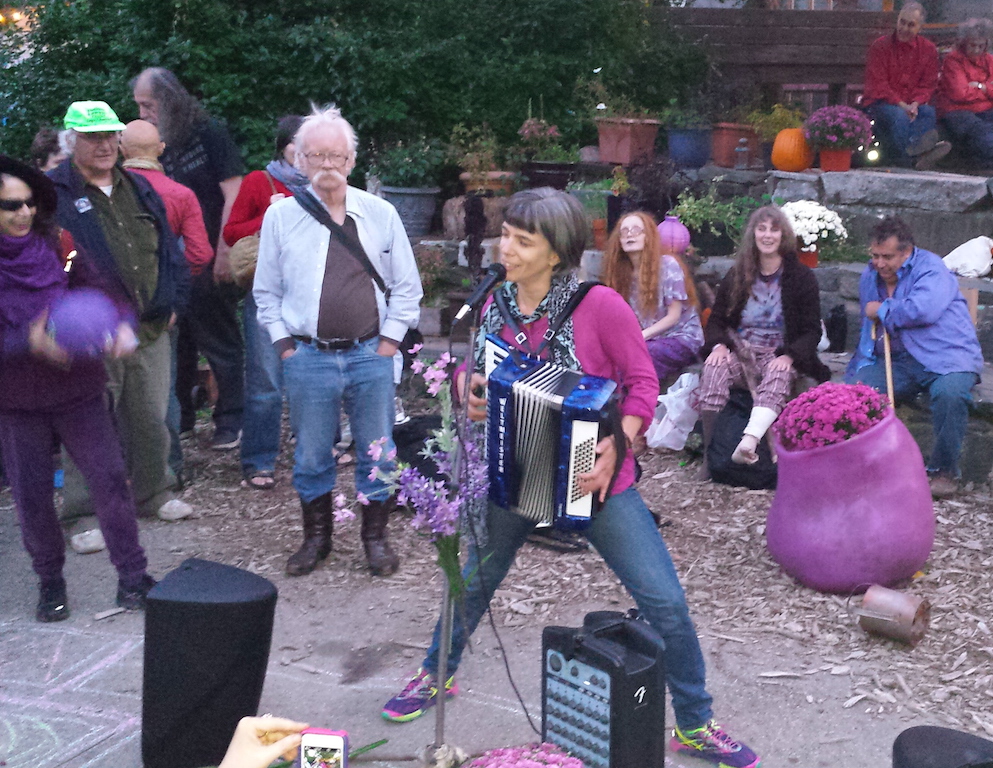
[625, 535]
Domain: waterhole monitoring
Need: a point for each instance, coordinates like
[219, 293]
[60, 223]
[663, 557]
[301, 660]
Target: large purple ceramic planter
[854, 513]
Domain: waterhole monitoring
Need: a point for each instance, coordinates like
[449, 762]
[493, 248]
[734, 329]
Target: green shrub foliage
[397, 68]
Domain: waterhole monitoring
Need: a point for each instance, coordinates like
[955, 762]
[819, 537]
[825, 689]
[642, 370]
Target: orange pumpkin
[790, 152]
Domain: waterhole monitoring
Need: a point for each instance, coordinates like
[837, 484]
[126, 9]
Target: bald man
[141, 148]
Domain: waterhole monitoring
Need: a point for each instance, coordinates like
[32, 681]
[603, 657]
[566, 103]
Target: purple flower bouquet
[838, 127]
[531, 756]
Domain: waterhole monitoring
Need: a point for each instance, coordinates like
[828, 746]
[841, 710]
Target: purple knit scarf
[31, 278]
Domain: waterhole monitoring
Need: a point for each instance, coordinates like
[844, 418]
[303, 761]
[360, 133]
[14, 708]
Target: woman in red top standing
[965, 103]
[263, 371]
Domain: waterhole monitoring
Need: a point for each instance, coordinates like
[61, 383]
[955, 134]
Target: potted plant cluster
[852, 505]
[716, 225]
[768, 124]
[593, 195]
[688, 132]
[408, 172]
[546, 162]
[815, 226]
[477, 152]
[835, 132]
[625, 131]
[436, 281]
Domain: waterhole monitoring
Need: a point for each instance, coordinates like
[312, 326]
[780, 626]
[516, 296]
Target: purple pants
[669, 356]
[88, 434]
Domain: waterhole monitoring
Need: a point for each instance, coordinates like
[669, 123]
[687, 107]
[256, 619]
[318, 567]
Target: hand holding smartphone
[321, 748]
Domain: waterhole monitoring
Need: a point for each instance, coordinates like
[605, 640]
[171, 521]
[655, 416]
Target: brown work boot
[943, 486]
[383, 561]
[318, 523]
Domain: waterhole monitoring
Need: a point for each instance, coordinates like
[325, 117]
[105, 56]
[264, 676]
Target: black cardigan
[801, 317]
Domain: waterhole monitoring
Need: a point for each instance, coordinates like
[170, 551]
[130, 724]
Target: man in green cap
[119, 221]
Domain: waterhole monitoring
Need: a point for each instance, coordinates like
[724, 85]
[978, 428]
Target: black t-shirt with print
[207, 159]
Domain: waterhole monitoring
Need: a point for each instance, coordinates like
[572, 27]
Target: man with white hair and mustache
[337, 288]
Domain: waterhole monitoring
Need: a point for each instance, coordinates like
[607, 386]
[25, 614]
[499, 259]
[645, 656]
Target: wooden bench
[771, 48]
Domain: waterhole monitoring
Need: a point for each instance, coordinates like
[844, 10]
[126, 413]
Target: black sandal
[260, 480]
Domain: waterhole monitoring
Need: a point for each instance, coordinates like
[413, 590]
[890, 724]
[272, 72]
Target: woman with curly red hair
[659, 288]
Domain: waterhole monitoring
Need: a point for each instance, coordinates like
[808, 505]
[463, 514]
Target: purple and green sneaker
[710, 742]
[417, 698]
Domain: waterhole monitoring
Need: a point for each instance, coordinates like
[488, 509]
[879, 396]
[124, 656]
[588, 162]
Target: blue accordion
[543, 424]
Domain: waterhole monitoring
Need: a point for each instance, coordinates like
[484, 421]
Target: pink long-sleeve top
[609, 344]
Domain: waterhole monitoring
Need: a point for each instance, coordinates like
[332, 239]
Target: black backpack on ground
[728, 430]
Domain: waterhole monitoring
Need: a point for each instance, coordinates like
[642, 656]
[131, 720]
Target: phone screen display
[313, 756]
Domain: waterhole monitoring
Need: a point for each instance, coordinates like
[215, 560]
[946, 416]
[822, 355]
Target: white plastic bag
[972, 258]
[674, 415]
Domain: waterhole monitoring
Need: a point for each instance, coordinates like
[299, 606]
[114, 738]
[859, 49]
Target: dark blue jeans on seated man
[895, 131]
[950, 399]
[625, 535]
[974, 131]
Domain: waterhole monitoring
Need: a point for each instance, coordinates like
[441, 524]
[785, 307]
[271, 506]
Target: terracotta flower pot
[854, 513]
[808, 258]
[838, 160]
[626, 140]
[724, 140]
[498, 182]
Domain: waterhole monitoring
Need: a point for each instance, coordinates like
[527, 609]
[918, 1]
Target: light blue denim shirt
[293, 249]
[928, 313]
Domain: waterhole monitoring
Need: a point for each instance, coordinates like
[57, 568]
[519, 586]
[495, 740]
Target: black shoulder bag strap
[313, 206]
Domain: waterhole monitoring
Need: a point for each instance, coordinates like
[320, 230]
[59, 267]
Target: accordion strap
[554, 324]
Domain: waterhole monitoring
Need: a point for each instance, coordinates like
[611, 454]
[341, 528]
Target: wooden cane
[889, 366]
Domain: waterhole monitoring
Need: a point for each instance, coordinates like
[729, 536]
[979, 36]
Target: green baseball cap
[92, 116]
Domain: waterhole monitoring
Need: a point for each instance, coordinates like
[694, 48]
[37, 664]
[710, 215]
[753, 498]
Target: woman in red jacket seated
[767, 316]
[263, 370]
[964, 100]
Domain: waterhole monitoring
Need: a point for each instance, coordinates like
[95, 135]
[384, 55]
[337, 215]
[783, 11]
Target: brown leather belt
[327, 345]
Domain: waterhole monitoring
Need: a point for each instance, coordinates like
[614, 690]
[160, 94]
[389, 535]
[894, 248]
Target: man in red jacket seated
[901, 75]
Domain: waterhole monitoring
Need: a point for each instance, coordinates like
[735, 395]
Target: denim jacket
[928, 313]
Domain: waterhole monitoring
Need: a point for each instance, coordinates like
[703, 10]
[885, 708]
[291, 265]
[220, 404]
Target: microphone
[495, 274]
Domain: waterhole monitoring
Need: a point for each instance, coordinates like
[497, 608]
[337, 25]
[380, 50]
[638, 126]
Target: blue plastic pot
[689, 147]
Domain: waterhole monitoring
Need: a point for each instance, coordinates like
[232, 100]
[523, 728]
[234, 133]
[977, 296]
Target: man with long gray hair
[200, 154]
[337, 289]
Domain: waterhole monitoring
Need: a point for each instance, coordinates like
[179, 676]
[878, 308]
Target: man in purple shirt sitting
[914, 296]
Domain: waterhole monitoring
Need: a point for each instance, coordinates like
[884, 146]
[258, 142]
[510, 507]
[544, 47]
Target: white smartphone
[321, 748]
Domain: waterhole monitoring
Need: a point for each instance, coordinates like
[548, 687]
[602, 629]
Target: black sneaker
[133, 598]
[225, 439]
[53, 604]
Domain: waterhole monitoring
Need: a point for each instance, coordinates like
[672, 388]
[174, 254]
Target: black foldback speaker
[208, 628]
[603, 691]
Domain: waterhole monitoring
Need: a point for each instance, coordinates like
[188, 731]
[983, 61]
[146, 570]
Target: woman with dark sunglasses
[49, 396]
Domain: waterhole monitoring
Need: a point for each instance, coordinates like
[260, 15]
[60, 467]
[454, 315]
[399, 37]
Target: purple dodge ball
[83, 322]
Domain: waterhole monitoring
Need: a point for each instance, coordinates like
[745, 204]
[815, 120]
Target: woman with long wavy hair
[763, 330]
[660, 290]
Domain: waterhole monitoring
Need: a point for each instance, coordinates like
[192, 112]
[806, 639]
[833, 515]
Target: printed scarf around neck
[286, 174]
[561, 349]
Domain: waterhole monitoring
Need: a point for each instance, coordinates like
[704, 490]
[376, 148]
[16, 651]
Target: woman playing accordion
[541, 243]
